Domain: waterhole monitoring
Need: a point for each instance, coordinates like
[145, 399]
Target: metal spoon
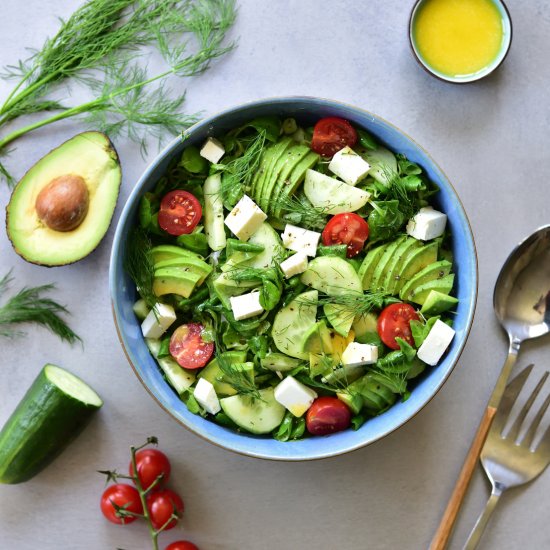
[522, 305]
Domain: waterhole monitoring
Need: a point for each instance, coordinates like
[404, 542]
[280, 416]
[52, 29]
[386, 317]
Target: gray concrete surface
[491, 138]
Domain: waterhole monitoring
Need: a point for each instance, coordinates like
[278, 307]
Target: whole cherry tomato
[151, 463]
[394, 322]
[331, 134]
[188, 348]
[161, 505]
[347, 228]
[182, 545]
[124, 496]
[327, 415]
[179, 213]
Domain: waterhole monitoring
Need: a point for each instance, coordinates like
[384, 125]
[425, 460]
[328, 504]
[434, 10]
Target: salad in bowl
[294, 277]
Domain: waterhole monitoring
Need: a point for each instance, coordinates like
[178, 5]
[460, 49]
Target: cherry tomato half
[151, 463]
[327, 415]
[182, 545]
[394, 322]
[347, 228]
[179, 213]
[161, 505]
[188, 348]
[331, 134]
[122, 495]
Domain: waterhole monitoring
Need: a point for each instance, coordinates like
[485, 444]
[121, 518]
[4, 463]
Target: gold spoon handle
[443, 533]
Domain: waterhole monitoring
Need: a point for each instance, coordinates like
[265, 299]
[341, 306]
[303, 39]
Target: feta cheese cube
[297, 263]
[427, 224]
[212, 150]
[206, 397]
[301, 240]
[245, 219]
[246, 305]
[360, 354]
[436, 343]
[294, 396]
[155, 326]
[349, 166]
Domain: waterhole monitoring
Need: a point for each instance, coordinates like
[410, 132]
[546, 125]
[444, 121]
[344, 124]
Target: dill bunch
[139, 265]
[99, 45]
[30, 306]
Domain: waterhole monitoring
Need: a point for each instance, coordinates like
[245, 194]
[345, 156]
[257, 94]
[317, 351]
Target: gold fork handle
[441, 537]
[483, 520]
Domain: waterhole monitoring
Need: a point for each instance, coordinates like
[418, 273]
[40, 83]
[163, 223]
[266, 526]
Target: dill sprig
[238, 173]
[139, 264]
[97, 46]
[240, 380]
[357, 303]
[299, 211]
[30, 306]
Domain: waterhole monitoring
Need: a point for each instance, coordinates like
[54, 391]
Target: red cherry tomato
[122, 495]
[179, 213]
[188, 348]
[182, 545]
[394, 322]
[151, 463]
[327, 415]
[161, 505]
[347, 228]
[331, 134]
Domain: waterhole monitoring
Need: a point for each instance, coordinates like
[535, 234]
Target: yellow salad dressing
[458, 37]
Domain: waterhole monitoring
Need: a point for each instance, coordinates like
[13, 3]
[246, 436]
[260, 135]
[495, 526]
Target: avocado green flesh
[174, 280]
[167, 252]
[437, 270]
[393, 271]
[91, 156]
[437, 302]
[377, 282]
[366, 271]
[418, 260]
[443, 285]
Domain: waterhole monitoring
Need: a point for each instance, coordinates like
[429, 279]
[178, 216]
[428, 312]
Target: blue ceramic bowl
[123, 294]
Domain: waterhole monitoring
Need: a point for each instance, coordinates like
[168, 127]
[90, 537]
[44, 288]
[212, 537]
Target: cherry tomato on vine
[327, 415]
[347, 228]
[182, 545]
[331, 134]
[161, 505]
[123, 495]
[151, 463]
[394, 322]
[188, 348]
[179, 213]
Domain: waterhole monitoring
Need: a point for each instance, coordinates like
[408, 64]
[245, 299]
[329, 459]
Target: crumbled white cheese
[212, 150]
[427, 224]
[436, 343]
[246, 305]
[154, 326]
[295, 264]
[294, 396]
[360, 354]
[245, 219]
[206, 397]
[301, 240]
[349, 166]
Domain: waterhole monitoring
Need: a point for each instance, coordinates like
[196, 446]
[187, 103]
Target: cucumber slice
[55, 409]
[273, 251]
[331, 275]
[383, 163]
[213, 213]
[257, 416]
[333, 195]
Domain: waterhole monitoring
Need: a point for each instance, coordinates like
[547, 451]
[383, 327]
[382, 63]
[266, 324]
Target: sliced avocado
[366, 271]
[290, 184]
[279, 362]
[437, 270]
[265, 159]
[317, 340]
[436, 302]
[185, 264]
[172, 280]
[402, 253]
[286, 164]
[418, 260]
[353, 401]
[340, 317]
[62, 207]
[443, 285]
[279, 150]
[165, 252]
[379, 275]
[377, 397]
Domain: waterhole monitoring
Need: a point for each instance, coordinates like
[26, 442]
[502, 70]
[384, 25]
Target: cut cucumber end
[73, 386]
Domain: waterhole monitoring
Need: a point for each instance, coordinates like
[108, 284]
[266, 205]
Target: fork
[510, 460]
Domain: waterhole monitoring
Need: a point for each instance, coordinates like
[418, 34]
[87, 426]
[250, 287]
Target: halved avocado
[62, 207]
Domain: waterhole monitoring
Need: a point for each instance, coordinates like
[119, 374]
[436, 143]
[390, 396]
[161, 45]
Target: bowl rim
[466, 79]
[167, 151]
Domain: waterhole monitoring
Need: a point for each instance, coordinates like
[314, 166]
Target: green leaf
[421, 330]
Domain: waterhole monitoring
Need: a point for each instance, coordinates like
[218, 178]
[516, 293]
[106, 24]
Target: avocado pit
[63, 203]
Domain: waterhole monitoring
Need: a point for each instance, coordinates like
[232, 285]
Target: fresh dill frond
[357, 303]
[30, 306]
[299, 211]
[139, 264]
[238, 173]
[239, 379]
